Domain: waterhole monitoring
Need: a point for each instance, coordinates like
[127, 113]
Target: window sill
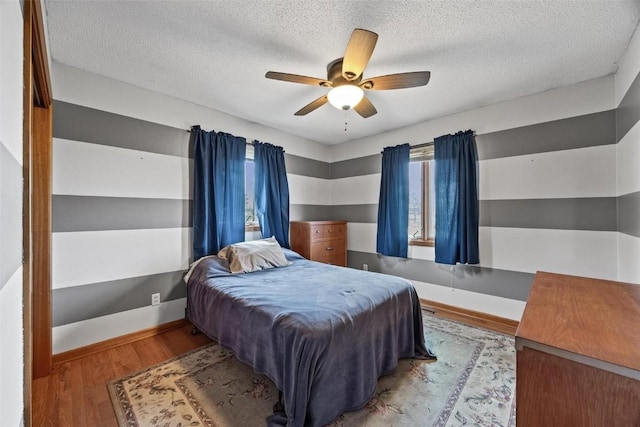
[251, 227]
[420, 242]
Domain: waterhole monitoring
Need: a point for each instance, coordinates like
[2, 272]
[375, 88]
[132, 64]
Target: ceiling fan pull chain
[345, 120]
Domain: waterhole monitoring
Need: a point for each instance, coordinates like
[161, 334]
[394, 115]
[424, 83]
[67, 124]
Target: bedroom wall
[547, 189]
[11, 337]
[627, 89]
[121, 202]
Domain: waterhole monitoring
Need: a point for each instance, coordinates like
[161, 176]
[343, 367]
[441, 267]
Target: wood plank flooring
[75, 393]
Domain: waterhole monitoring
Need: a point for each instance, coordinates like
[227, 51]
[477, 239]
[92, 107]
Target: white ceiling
[215, 53]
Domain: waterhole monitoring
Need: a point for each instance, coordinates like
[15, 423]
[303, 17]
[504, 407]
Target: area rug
[472, 383]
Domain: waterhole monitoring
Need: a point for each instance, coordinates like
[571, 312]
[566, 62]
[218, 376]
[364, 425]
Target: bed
[323, 334]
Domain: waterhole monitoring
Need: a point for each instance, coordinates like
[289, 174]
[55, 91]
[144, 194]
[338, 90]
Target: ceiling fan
[344, 77]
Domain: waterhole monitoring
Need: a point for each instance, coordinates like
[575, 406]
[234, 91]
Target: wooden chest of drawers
[322, 241]
[578, 353]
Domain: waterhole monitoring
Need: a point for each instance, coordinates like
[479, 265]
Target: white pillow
[246, 257]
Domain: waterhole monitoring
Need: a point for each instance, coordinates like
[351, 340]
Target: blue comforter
[323, 334]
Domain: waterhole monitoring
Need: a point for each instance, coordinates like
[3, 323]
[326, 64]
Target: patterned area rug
[472, 383]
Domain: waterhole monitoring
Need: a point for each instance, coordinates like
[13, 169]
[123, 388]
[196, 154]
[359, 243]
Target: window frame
[252, 225]
[424, 154]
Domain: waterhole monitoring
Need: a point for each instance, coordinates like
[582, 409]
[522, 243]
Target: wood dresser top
[319, 222]
[598, 319]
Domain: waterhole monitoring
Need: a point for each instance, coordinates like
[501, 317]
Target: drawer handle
[330, 230]
[330, 248]
[317, 231]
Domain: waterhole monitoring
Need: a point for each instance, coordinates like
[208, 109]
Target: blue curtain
[272, 192]
[218, 191]
[456, 162]
[393, 207]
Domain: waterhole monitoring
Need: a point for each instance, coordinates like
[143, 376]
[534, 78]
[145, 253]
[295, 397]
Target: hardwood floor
[75, 393]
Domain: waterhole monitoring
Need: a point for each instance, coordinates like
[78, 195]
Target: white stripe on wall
[498, 306]
[11, 361]
[582, 253]
[361, 237]
[582, 172]
[575, 252]
[356, 190]
[86, 257]
[574, 100]
[85, 332]
[629, 67]
[628, 158]
[629, 261]
[98, 170]
[308, 190]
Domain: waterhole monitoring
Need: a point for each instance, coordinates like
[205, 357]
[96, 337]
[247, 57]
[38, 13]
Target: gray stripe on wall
[85, 124]
[310, 213]
[10, 215]
[358, 166]
[501, 283]
[628, 112]
[307, 167]
[356, 213]
[596, 214]
[84, 302]
[91, 213]
[629, 214]
[565, 134]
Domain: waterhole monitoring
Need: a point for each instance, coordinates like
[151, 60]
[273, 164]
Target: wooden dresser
[322, 241]
[578, 353]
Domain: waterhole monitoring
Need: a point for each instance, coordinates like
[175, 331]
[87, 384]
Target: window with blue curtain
[218, 191]
[271, 192]
[393, 206]
[457, 216]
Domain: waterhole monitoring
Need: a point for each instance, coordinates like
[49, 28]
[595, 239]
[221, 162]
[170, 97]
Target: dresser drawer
[328, 231]
[335, 258]
[327, 248]
[337, 231]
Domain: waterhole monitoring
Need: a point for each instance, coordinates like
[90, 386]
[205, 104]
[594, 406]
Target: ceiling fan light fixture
[345, 97]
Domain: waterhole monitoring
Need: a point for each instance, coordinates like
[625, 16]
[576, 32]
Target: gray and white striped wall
[11, 336]
[627, 98]
[121, 202]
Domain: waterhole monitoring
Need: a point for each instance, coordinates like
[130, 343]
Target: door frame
[37, 155]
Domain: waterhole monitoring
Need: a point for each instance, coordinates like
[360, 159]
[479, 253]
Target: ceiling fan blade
[312, 106]
[294, 78]
[397, 81]
[365, 108]
[358, 53]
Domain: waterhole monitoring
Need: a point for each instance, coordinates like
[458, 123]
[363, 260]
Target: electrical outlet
[155, 299]
[365, 267]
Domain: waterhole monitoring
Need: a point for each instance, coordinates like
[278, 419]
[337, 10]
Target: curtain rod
[248, 143]
[425, 144]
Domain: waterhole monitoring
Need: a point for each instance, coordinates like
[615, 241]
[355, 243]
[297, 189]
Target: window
[250, 218]
[422, 213]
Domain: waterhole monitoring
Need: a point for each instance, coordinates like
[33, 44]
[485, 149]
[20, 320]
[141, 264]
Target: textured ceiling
[215, 53]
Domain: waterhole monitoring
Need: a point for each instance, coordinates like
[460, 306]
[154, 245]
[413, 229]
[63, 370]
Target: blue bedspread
[323, 334]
